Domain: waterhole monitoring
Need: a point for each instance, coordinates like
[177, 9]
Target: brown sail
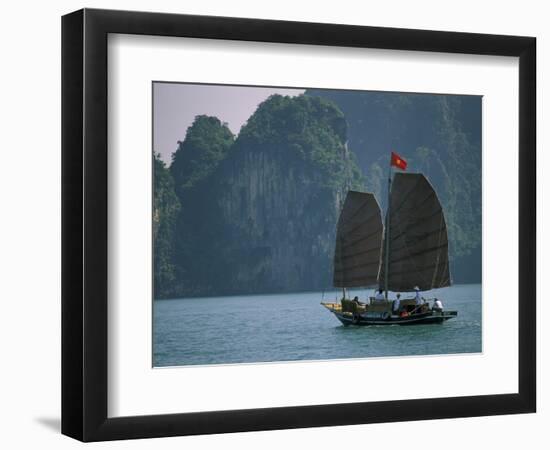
[358, 241]
[418, 245]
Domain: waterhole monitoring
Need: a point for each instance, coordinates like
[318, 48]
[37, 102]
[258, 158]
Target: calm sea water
[291, 327]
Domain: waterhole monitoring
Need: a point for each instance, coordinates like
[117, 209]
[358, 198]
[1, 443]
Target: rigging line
[417, 242]
[420, 206]
[419, 253]
[422, 269]
[364, 223]
[364, 252]
[348, 280]
[421, 236]
[356, 266]
[363, 238]
[422, 220]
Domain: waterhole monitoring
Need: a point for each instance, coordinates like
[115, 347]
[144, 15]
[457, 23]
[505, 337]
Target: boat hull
[431, 317]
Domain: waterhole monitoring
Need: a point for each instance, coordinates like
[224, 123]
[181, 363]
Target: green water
[293, 327]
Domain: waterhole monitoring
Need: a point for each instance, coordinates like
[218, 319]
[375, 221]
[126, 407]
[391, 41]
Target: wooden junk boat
[409, 254]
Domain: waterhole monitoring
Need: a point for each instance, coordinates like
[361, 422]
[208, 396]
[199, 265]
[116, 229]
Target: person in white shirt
[438, 305]
[418, 300]
[396, 304]
[380, 296]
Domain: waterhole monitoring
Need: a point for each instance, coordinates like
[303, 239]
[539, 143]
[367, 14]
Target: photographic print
[314, 224]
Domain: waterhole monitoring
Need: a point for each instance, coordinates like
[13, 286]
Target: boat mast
[348, 187]
[387, 252]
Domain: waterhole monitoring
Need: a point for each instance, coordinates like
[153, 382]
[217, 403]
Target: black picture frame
[84, 224]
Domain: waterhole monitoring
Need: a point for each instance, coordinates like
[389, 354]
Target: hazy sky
[176, 105]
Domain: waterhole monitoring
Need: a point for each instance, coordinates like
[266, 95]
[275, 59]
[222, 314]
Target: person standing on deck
[396, 304]
[418, 300]
[379, 296]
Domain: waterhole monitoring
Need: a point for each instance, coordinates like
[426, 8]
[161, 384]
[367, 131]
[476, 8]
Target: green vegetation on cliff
[206, 144]
[166, 207]
[194, 169]
[308, 131]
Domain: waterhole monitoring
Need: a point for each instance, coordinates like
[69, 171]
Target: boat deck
[381, 314]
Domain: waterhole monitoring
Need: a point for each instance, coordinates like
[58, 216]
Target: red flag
[398, 162]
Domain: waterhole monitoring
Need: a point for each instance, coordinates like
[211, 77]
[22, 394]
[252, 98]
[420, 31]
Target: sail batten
[363, 224]
[358, 241]
[365, 252]
[418, 243]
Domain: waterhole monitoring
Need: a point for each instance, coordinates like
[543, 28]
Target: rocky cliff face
[280, 223]
[264, 219]
[280, 191]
